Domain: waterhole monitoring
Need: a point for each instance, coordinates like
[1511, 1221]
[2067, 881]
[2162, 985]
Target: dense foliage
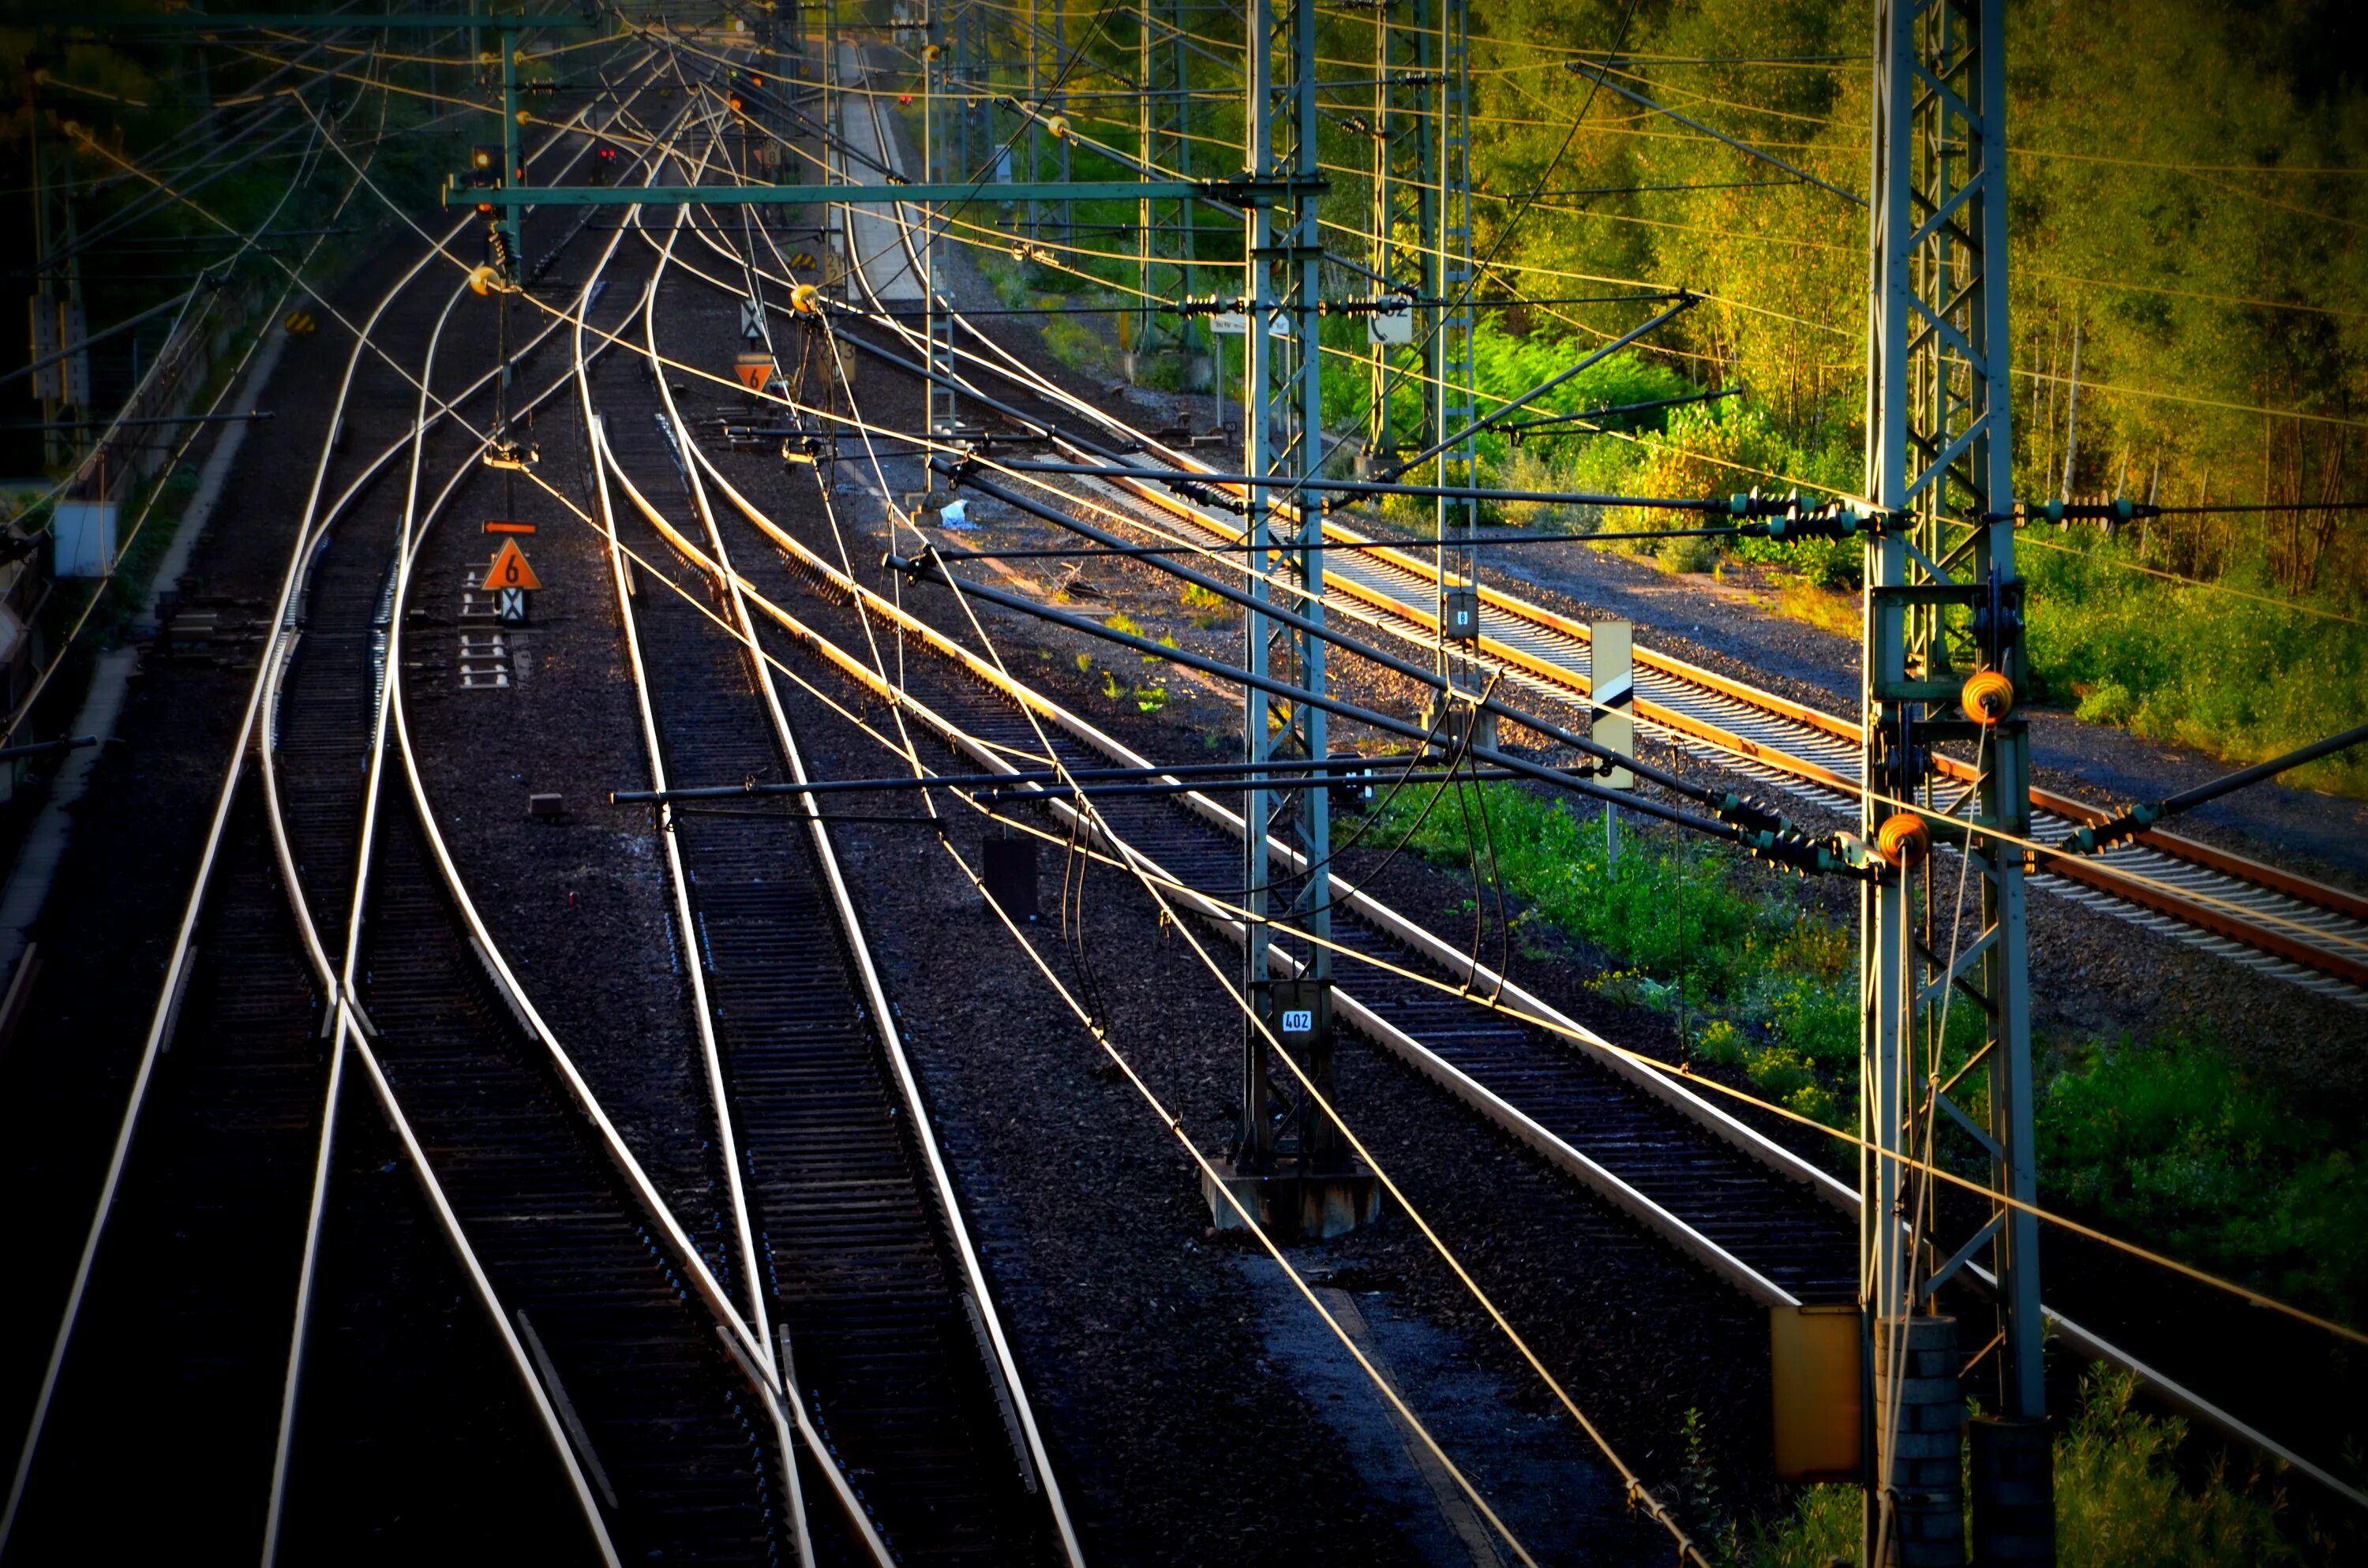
[2121, 1502]
[2186, 268]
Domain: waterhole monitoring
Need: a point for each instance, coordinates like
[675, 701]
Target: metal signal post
[1289, 1163]
[1943, 656]
[1453, 401]
[1400, 414]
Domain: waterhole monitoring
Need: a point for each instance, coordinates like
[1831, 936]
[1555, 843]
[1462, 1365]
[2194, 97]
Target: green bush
[2174, 1145]
[2178, 1144]
[2232, 676]
[2120, 1502]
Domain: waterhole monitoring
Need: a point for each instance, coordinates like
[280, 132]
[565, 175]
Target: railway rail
[869, 1266]
[823, 1375]
[2303, 931]
[1653, 1147]
[212, 1201]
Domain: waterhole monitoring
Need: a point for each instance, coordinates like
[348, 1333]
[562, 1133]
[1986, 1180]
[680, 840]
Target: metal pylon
[936, 126]
[1943, 601]
[1402, 413]
[1284, 407]
[1163, 236]
[1453, 403]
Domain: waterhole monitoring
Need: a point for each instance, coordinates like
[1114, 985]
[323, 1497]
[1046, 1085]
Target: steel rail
[736, 1337]
[176, 966]
[768, 1368]
[347, 1031]
[1714, 1257]
[1782, 740]
[982, 1298]
[1659, 1085]
[488, 955]
[1471, 1088]
[727, 1139]
[346, 1021]
[882, 1009]
[2284, 951]
[1812, 721]
[2276, 942]
[784, 1405]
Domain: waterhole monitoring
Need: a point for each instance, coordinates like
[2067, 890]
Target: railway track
[199, 1261]
[2301, 930]
[2308, 933]
[888, 1326]
[606, 1310]
[1692, 1172]
[1696, 1176]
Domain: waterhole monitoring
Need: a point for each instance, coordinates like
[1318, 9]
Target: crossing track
[1673, 1159]
[2303, 931]
[1768, 1223]
[178, 1307]
[592, 1289]
[2306, 932]
[892, 1334]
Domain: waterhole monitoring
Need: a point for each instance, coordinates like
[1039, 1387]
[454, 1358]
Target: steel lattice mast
[1402, 413]
[1454, 404]
[1284, 435]
[1163, 109]
[1943, 604]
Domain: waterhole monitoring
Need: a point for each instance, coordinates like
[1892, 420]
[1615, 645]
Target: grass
[2180, 1144]
[2120, 1502]
[2169, 1141]
[1763, 978]
[2231, 676]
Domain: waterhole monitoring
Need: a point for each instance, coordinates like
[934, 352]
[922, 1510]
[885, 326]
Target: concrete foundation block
[1289, 1205]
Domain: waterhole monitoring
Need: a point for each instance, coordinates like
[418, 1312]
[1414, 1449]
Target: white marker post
[1612, 689]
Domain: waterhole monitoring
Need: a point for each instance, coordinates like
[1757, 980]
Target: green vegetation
[1765, 978]
[2185, 320]
[2176, 1143]
[2120, 1502]
[2169, 1141]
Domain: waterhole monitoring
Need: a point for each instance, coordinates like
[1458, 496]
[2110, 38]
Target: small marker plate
[511, 570]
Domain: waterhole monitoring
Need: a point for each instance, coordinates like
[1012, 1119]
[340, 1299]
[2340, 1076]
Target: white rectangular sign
[1394, 325]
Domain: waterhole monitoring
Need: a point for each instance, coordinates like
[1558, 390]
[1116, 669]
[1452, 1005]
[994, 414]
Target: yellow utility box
[1814, 1362]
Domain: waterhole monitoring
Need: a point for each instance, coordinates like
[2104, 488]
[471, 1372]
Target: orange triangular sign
[755, 370]
[511, 570]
